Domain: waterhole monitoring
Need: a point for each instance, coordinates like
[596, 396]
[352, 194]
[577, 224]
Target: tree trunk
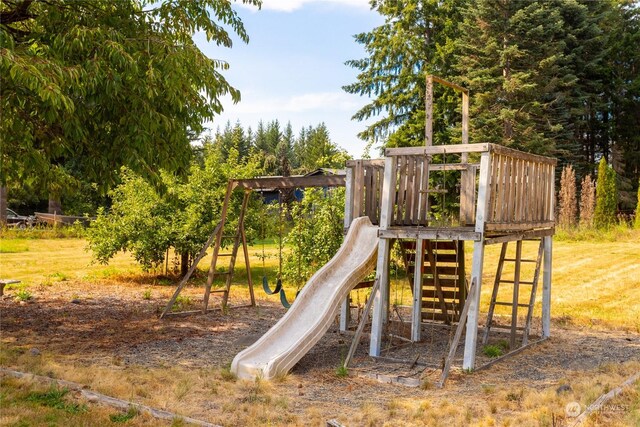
[184, 263]
[55, 205]
[3, 205]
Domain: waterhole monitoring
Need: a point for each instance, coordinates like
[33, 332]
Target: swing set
[265, 281]
[239, 238]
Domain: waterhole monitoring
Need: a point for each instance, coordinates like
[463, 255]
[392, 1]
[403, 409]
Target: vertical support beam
[381, 296]
[428, 126]
[546, 287]
[348, 217]
[471, 338]
[464, 158]
[516, 296]
[416, 313]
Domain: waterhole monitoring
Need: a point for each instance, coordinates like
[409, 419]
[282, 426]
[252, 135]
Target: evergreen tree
[415, 40]
[606, 196]
[515, 58]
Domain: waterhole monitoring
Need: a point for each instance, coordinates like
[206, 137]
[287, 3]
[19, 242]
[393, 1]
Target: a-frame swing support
[240, 238]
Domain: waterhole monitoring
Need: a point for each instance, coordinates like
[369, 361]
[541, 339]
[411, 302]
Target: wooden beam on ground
[599, 402]
[93, 396]
[511, 353]
[291, 182]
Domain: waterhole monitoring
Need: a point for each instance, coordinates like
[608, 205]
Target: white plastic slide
[315, 308]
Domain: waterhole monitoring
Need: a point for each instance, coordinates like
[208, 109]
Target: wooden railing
[521, 193]
[518, 187]
[364, 189]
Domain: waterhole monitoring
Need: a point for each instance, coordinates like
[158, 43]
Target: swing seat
[267, 289]
[284, 301]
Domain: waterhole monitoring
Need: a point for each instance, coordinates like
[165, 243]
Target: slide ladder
[515, 302]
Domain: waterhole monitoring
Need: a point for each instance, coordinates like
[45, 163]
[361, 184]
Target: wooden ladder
[443, 285]
[515, 301]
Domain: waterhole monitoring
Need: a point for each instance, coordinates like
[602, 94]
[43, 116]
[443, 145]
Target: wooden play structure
[502, 196]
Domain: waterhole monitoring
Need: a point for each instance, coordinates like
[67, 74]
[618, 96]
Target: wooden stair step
[521, 282]
[431, 293]
[522, 260]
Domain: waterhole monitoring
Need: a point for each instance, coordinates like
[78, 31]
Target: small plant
[124, 417]
[227, 375]
[59, 277]
[342, 371]
[182, 302]
[23, 295]
[147, 294]
[492, 351]
[515, 397]
[55, 398]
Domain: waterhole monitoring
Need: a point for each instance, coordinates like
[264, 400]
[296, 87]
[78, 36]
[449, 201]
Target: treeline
[553, 77]
[279, 150]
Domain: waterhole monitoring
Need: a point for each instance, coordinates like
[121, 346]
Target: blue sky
[293, 67]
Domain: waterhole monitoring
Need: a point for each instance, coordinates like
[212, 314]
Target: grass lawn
[596, 285]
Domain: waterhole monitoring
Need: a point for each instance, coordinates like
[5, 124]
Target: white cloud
[321, 101]
[291, 5]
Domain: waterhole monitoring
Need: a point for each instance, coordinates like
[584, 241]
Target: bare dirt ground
[115, 324]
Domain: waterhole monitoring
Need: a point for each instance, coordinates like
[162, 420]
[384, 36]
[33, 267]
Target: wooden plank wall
[368, 176]
[521, 193]
[411, 198]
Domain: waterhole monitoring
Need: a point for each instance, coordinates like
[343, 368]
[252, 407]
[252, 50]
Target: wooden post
[464, 158]
[471, 338]
[382, 294]
[428, 127]
[546, 287]
[416, 313]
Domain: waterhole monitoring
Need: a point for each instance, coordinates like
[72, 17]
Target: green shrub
[606, 196]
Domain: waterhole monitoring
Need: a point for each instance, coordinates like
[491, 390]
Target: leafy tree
[606, 196]
[147, 221]
[88, 86]
[415, 39]
[317, 232]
